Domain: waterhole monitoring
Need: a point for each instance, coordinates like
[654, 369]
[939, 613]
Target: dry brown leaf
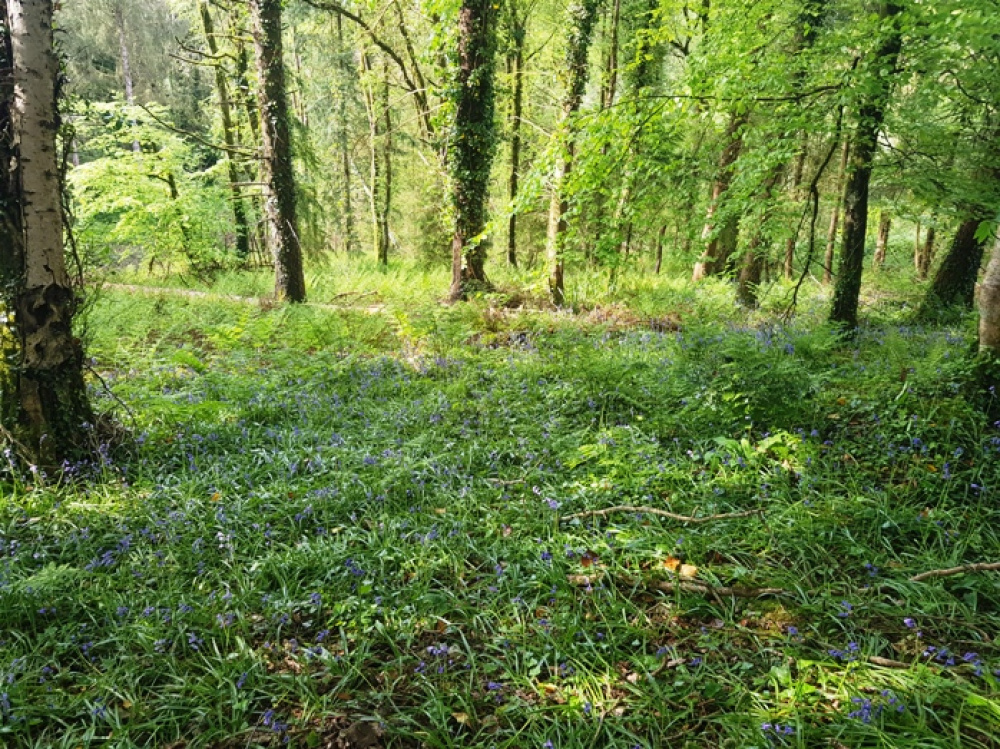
[689, 571]
[462, 718]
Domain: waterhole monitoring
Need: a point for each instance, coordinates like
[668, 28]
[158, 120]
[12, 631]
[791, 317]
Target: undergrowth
[346, 518]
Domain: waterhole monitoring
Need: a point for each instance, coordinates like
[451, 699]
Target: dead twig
[878, 660]
[358, 294]
[977, 567]
[710, 590]
[660, 513]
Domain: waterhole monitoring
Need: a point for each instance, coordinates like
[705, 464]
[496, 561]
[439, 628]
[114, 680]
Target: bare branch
[661, 513]
[977, 567]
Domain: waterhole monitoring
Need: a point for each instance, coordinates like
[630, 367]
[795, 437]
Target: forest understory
[433, 526]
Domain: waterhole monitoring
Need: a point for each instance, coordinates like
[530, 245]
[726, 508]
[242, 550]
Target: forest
[538, 374]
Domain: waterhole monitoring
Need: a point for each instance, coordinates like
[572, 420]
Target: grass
[335, 518]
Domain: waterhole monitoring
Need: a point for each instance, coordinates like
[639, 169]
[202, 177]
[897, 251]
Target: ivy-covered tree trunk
[276, 152]
[472, 144]
[228, 132]
[954, 284]
[45, 401]
[721, 242]
[515, 68]
[871, 113]
[581, 17]
[753, 261]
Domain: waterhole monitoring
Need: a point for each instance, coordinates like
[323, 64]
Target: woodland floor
[340, 528]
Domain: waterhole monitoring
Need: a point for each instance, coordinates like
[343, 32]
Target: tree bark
[276, 147]
[847, 292]
[989, 306]
[515, 66]
[882, 238]
[721, 243]
[50, 397]
[228, 133]
[954, 284]
[582, 15]
[472, 145]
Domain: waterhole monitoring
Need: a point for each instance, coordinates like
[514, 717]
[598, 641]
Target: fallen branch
[887, 662]
[660, 513]
[977, 567]
[359, 294]
[671, 587]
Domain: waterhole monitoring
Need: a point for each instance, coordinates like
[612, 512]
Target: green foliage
[163, 205]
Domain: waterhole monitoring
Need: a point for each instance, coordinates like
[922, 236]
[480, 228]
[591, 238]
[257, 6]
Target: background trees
[709, 135]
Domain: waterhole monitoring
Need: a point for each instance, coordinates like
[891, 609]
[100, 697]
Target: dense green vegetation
[341, 515]
[538, 375]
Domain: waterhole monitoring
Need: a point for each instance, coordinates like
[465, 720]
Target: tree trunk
[847, 292]
[926, 255]
[954, 284]
[472, 145]
[916, 249]
[380, 145]
[754, 260]
[721, 243]
[126, 68]
[49, 397]
[882, 238]
[582, 15]
[350, 240]
[610, 84]
[797, 173]
[276, 148]
[228, 133]
[515, 65]
[831, 234]
[989, 306]
[659, 249]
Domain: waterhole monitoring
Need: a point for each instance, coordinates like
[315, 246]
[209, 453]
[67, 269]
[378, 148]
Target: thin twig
[111, 393]
[977, 567]
[660, 513]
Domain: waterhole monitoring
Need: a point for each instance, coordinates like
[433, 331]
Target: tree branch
[948, 572]
[419, 95]
[660, 513]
